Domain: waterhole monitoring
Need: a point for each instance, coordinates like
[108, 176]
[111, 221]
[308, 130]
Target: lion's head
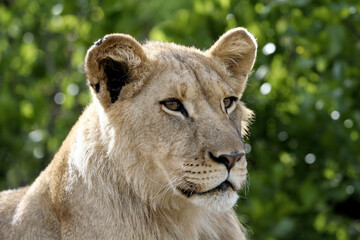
[171, 116]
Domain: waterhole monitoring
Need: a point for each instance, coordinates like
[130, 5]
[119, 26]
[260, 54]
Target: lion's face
[178, 117]
[196, 132]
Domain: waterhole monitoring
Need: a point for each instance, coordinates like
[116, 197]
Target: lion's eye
[175, 105]
[229, 101]
[172, 104]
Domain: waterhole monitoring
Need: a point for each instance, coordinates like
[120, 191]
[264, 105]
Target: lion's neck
[119, 211]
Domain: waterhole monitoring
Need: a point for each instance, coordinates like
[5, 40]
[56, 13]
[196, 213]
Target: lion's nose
[228, 160]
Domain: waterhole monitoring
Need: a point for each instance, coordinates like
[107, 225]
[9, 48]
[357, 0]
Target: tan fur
[119, 173]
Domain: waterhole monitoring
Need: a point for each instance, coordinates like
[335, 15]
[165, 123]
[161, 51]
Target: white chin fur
[218, 202]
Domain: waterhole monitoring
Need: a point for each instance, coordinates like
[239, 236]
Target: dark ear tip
[100, 41]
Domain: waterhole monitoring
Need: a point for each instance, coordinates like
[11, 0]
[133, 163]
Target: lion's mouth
[222, 187]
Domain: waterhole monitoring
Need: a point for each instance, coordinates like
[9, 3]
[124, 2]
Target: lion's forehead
[191, 75]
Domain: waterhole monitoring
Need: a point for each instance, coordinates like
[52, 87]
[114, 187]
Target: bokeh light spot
[36, 135]
[265, 88]
[300, 50]
[229, 16]
[261, 72]
[247, 148]
[350, 189]
[59, 98]
[352, 10]
[57, 9]
[348, 123]
[283, 136]
[73, 89]
[335, 115]
[310, 158]
[269, 48]
[319, 105]
[38, 152]
[28, 37]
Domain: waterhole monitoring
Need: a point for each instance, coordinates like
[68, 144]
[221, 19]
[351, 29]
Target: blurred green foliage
[304, 148]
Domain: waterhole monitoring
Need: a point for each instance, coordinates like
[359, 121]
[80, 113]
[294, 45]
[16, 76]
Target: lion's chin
[218, 199]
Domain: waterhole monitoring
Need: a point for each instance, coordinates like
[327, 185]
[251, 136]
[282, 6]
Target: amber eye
[228, 102]
[175, 105]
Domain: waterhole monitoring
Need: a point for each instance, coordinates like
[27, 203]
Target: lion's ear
[111, 63]
[237, 50]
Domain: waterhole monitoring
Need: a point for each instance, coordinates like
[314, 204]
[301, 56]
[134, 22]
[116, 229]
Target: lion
[157, 154]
